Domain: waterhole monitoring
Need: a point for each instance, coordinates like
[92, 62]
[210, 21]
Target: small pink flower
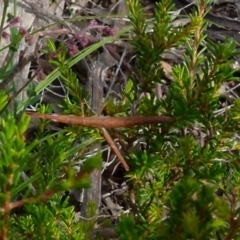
[100, 30]
[93, 23]
[73, 50]
[84, 41]
[5, 35]
[112, 32]
[15, 21]
[109, 31]
[29, 40]
[22, 30]
[106, 29]
[78, 36]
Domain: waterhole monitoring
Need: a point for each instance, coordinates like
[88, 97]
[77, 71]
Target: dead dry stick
[103, 122]
[115, 149]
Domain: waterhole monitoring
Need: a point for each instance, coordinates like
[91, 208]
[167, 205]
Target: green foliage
[35, 175]
[175, 178]
[58, 215]
[38, 167]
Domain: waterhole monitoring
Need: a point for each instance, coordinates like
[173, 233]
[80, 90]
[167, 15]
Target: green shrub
[174, 182]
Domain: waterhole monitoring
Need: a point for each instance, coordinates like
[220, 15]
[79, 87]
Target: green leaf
[3, 99]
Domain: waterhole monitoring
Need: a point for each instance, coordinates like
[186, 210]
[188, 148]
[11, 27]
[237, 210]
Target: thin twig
[103, 122]
[115, 149]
